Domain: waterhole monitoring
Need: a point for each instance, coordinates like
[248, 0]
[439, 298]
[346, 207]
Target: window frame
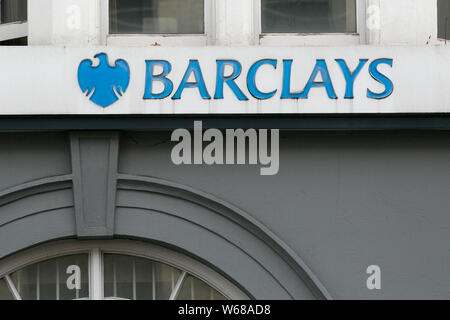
[13, 30]
[159, 39]
[96, 248]
[292, 39]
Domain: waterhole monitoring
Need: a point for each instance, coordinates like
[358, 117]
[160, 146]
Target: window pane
[195, 289]
[5, 294]
[49, 280]
[118, 277]
[137, 278]
[144, 279]
[15, 42]
[13, 10]
[444, 19]
[308, 16]
[156, 16]
[166, 279]
[63, 263]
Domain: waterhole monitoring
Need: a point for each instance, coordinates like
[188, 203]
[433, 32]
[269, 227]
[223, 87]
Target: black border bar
[139, 122]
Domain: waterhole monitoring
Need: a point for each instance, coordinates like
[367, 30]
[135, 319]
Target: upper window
[444, 19]
[5, 293]
[13, 27]
[308, 16]
[156, 17]
[13, 11]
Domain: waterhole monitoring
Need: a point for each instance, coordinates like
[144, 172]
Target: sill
[12, 23]
[13, 30]
[442, 41]
[311, 39]
[146, 40]
[309, 34]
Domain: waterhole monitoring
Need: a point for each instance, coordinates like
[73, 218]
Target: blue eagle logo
[104, 84]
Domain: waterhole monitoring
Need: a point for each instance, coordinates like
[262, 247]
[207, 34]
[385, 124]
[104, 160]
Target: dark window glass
[137, 278]
[444, 19]
[47, 280]
[13, 11]
[15, 42]
[308, 16]
[156, 16]
[5, 293]
[195, 289]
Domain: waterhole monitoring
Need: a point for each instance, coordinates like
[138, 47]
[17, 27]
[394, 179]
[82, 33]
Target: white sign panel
[221, 80]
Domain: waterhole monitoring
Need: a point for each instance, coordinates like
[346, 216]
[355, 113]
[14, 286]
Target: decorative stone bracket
[94, 165]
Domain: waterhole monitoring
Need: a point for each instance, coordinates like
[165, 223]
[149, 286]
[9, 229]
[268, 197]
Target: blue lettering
[229, 80]
[287, 71]
[321, 67]
[381, 78]
[349, 76]
[150, 77]
[194, 68]
[251, 79]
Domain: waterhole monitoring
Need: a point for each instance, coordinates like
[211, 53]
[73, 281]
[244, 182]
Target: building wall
[341, 202]
[236, 22]
[408, 22]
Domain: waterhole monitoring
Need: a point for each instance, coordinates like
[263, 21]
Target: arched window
[110, 270]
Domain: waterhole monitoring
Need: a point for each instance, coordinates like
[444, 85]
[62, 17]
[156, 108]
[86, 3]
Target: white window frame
[293, 39]
[13, 30]
[96, 249]
[159, 39]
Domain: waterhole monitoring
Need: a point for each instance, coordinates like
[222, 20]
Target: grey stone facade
[343, 200]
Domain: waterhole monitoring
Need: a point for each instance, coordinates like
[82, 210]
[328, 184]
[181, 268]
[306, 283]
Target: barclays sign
[106, 83]
[224, 80]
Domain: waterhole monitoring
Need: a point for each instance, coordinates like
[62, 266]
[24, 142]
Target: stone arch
[221, 235]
